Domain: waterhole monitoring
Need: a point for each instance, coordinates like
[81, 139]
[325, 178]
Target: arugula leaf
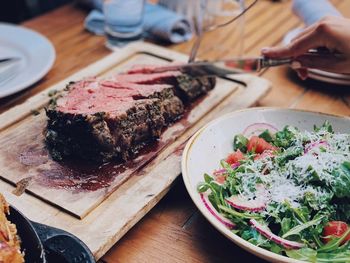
[326, 126]
[297, 229]
[238, 214]
[202, 187]
[207, 178]
[334, 243]
[338, 257]
[266, 135]
[346, 166]
[253, 236]
[314, 177]
[341, 183]
[286, 224]
[289, 154]
[226, 166]
[304, 254]
[302, 214]
[285, 137]
[321, 202]
[310, 255]
[240, 143]
[341, 254]
[276, 248]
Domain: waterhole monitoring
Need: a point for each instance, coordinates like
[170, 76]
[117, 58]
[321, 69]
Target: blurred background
[16, 11]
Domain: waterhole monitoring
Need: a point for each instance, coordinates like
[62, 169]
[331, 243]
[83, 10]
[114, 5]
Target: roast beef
[186, 87]
[100, 120]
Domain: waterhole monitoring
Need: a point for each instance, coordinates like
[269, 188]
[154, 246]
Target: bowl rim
[257, 251]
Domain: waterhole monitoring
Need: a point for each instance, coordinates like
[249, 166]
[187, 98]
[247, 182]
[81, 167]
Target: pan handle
[61, 246]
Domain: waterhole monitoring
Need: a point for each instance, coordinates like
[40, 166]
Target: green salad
[287, 191]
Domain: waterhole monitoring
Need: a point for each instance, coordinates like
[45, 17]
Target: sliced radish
[257, 128]
[262, 192]
[235, 165]
[220, 175]
[220, 179]
[266, 232]
[315, 145]
[242, 203]
[215, 213]
[219, 172]
[223, 170]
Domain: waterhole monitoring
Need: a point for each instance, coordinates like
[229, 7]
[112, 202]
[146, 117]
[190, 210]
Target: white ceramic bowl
[214, 141]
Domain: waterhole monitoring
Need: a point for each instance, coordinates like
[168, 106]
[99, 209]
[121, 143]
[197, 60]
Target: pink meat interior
[92, 96]
[152, 78]
[148, 69]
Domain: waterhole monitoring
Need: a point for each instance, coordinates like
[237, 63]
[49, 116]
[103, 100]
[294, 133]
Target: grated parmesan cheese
[290, 182]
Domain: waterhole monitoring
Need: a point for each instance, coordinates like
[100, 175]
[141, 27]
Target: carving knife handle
[270, 62]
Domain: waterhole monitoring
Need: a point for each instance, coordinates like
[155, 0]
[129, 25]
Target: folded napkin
[95, 22]
[159, 23]
[311, 11]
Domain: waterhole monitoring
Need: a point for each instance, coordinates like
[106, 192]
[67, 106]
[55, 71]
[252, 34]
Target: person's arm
[332, 33]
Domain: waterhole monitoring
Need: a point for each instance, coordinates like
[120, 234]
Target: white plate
[213, 142]
[329, 77]
[36, 52]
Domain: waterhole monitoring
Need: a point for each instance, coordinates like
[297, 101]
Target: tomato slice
[235, 157]
[259, 145]
[335, 229]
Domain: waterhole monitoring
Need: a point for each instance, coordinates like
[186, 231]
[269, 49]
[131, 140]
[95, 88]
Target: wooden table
[174, 231]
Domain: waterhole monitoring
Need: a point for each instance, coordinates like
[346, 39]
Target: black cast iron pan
[45, 244]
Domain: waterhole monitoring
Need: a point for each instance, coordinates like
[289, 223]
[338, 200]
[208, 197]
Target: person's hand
[332, 33]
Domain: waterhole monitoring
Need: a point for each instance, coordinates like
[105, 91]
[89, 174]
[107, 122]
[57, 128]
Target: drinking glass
[204, 14]
[123, 20]
[217, 12]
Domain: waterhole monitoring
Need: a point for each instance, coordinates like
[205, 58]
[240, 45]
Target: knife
[222, 68]
[8, 60]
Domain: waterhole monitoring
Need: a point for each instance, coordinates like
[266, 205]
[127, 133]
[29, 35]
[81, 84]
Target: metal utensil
[8, 73]
[222, 68]
[8, 69]
[9, 59]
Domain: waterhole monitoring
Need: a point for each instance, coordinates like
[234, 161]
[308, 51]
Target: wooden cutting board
[99, 204]
[78, 187]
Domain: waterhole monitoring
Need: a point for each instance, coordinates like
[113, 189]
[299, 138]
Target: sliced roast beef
[186, 87]
[100, 120]
[171, 105]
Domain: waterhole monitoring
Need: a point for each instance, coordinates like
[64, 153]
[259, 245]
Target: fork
[8, 74]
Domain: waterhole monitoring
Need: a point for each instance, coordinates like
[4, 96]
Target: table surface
[174, 231]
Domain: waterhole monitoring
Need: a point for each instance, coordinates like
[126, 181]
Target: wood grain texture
[174, 231]
[79, 189]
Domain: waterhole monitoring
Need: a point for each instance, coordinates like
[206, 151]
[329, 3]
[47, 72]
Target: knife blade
[222, 68]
